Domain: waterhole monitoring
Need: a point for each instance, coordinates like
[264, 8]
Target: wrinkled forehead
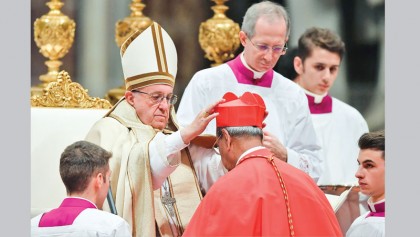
[161, 88]
[274, 27]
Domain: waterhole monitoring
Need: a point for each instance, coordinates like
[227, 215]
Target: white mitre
[149, 57]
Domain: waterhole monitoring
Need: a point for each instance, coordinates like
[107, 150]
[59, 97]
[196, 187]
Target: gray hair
[241, 131]
[267, 9]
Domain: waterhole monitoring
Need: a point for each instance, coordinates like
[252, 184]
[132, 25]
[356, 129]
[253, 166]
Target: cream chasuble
[121, 132]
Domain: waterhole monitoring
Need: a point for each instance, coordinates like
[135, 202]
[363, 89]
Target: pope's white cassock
[156, 180]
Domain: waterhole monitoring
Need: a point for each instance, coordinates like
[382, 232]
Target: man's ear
[242, 38]
[99, 180]
[129, 97]
[298, 64]
[226, 138]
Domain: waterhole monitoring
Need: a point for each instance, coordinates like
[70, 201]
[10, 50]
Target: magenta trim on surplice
[245, 76]
[322, 108]
[66, 213]
[379, 210]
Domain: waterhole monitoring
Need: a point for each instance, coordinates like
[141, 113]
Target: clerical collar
[319, 104]
[75, 201]
[245, 75]
[249, 151]
[257, 75]
[377, 209]
[317, 98]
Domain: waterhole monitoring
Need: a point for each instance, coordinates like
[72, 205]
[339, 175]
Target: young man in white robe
[371, 175]
[85, 172]
[338, 125]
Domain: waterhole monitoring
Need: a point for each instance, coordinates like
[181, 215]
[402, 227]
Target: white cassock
[288, 114]
[338, 133]
[207, 164]
[90, 222]
[368, 224]
[338, 127]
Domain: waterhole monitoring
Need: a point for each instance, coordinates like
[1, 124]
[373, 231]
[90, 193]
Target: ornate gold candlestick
[54, 35]
[123, 29]
[136, 21]
[219, 35]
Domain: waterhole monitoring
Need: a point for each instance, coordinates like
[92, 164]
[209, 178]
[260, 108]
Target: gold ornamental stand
[54, 35]
[219, 35]
[123, 29]
[67, 94]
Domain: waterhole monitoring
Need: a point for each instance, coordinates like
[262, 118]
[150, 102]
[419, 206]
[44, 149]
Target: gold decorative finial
[68, 94]
[136, 21]
[123, 29]
[54, 35]
[219, 35]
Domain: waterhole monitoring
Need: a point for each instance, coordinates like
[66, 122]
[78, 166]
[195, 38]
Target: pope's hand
[200, 122]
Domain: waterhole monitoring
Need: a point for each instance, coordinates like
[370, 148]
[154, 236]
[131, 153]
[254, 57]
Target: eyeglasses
[157, 97]
[216, 145]
[265, 48]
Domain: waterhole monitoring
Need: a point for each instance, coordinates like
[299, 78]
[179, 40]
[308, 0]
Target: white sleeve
[165, 156]
[371, 226]
[208, 166]
[302, 146]
[123, 230]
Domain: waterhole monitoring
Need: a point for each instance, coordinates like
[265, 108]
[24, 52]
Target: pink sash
[66, 213]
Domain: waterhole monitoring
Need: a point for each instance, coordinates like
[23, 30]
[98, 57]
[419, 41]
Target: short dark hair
[374, 141]
[79, 162]
[319, 37]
